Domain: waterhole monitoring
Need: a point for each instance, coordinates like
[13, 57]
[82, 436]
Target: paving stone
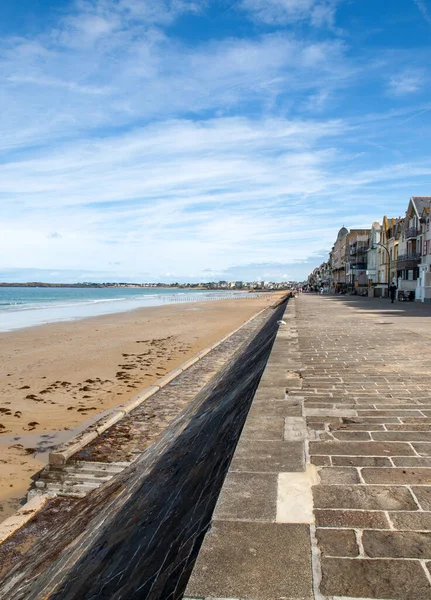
[405, 476]
[324, 461]
[362, 448]
[250, 496]
[352, 436]
[362, 578]
[365, 497]
[258, 561]
[337, 542]
[315, 421]
[360, 519]
[295, 429]
[409, 427]
[422, 449]
[266, 395]
[423, 494]
[356, 427]
[277, 408]
[263, 428]
[413, 521]
[272, 380]
[268, 456]
[402, 436]
[389, 413]
[361, 461]
[397, 544]
[411, 461]
[334, 475]
[329, 412]
[375, 419]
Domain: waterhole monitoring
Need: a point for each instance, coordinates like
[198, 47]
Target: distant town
[211, 285]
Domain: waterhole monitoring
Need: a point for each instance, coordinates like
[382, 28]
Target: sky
[186, 140]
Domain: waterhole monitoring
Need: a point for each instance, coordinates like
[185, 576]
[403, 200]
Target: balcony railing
[410, 260]
[411, 232]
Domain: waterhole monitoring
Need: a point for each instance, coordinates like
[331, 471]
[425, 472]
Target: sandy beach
[56, 378]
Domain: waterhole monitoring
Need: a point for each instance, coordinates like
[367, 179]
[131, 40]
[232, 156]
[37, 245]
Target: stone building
[338, 261]
[348, 259]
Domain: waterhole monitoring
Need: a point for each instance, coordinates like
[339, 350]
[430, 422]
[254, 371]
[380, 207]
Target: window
[410, 275]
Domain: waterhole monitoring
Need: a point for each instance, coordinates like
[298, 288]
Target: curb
[22, 516]
[60, 456]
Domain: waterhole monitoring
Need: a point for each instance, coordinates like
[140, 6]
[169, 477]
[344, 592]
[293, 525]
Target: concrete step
[91, 467]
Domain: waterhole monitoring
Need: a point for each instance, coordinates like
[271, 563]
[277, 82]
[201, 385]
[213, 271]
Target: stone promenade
[347, 514]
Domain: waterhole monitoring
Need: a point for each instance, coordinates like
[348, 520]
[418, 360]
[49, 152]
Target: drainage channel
[138, 536]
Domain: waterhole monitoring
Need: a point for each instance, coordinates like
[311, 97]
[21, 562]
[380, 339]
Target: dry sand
[56, 378]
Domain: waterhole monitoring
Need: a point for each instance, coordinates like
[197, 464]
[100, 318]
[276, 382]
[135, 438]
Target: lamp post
[389, 264]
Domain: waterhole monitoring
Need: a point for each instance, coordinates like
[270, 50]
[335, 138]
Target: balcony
[358, 264]
[408, 261]
[411, 232]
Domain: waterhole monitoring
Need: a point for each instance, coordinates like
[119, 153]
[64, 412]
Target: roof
[420, 202]
[343, 231]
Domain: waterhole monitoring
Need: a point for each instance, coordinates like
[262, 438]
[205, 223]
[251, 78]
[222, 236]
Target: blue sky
[185, 140]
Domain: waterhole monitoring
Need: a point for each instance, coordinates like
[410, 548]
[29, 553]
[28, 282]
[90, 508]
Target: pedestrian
[392, 291]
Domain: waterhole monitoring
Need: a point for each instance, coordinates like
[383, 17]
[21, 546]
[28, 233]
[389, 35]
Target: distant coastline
[41, 284]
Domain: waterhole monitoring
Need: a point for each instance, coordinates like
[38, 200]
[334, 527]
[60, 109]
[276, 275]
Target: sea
[30, 306]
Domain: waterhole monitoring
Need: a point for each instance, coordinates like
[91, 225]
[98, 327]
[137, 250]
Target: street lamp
[389, 262]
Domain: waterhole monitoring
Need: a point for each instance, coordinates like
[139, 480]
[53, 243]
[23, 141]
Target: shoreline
[57, 378]
[68, 310]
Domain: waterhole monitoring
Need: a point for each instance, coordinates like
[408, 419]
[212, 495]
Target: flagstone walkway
[329, 492]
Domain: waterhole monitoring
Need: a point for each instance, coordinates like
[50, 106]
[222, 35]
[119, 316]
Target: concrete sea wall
[139, 535]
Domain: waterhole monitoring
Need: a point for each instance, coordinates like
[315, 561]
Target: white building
[372, 257]
[413, 267]
[423, 283]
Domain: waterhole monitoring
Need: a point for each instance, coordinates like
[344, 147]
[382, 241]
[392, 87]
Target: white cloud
[424, 10]
[202, 194]
[318, 13]
[407, 82]
[112, 64]
[126, 142]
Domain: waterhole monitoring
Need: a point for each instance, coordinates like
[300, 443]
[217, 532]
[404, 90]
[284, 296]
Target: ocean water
[26, 307]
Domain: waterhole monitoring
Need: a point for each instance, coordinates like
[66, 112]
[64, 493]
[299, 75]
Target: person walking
[392, 291]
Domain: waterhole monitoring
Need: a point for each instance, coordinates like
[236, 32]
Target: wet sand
[55, 379]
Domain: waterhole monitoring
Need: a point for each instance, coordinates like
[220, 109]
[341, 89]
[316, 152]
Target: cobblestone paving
[366, 396]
